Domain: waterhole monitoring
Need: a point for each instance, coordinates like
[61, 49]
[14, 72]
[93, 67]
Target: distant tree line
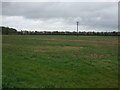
[8, 31]
[12, 31]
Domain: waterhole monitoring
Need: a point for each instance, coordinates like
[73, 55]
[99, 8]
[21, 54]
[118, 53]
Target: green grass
[43, 61]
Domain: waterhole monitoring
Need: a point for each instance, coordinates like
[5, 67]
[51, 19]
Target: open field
[41, 61]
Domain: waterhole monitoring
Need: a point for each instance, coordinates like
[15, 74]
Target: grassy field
[41, 61]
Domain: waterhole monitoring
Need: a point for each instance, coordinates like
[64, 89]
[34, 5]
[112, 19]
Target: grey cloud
[52, 9]
[96, 15]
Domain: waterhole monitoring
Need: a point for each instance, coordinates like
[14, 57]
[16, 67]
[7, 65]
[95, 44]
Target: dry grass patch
[43, 39]
[95, 56]
[39, 50]
[55, 48]
[7, 45]
[71, 47]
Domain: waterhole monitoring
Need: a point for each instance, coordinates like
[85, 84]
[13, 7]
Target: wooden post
[77, 28]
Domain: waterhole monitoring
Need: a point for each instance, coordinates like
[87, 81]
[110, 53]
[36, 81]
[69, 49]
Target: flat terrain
[41, 61]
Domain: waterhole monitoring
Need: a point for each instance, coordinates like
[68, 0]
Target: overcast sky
[62, 16]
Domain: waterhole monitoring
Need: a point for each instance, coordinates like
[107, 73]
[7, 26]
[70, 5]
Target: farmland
[54, 61]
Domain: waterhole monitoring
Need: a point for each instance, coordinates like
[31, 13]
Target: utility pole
[77, 27]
